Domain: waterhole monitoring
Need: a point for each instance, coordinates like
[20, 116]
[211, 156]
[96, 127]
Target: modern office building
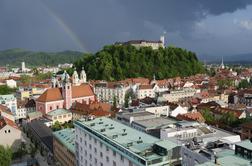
[105, 142]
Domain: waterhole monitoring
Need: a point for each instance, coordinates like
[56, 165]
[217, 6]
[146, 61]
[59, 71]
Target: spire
[75, 77]
[154, 80]
[222, 63]
[83, 77]
[53, 80]
[65, 77]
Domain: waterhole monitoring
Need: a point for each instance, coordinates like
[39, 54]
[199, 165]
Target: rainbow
[66, 28]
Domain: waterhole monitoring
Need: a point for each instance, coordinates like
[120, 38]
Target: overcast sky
[208, 27]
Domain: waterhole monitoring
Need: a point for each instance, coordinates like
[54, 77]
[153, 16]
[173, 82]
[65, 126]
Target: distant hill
[117, 62]
[229, 59]
[14, 57]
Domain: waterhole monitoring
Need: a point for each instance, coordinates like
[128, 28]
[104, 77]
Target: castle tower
[162, 39]
[83, 76]
[67, 91]
[75, 78]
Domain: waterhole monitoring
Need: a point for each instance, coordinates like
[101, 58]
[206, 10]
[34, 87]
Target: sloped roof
[145, 87]
[82, 90]
[52, 94]
[96, 108]
[55, 94]
[191, 116]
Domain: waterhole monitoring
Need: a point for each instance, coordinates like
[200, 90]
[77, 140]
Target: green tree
[228, 118]
[32, 150]
[4, 90]
[25, 79]
[5, 156]
[223, 84]
[244, 84]
[117, 62]
[56, 126]
[208, 116]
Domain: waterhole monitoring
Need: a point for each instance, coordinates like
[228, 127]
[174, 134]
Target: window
[95, 150]
[107, 149]
[90, 156]
[57, 107]
[90, 146]
[101, 144]
[122, 158]
[107, 158]
[95, 140]
[101, 164]
[85, 153]
[114, 153]
[101, 154]
[114, 163]
[130, 163]
[50, 107]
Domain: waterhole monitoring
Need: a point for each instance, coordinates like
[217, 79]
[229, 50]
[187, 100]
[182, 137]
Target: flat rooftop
[135, 114]
[130, 139]
[157, 122]
[67, 138]
[227, 157]
[247, 144]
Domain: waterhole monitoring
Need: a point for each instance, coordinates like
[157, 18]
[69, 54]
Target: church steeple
[53, 80]
[83, 76]
[75, 77]
[154, 80]
[67, 90]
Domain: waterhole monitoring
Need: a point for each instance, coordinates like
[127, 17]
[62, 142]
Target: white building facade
[106, 92]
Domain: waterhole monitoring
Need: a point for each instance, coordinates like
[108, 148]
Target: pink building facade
[63, 97]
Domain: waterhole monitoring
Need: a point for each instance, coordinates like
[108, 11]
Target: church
[64, 92]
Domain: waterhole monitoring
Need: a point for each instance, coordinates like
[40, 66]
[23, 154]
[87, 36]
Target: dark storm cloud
[52, 24]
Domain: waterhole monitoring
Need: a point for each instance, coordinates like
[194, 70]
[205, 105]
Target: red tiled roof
[191, 116]
[5, 109]
[5, 121]
[82, 90]
[247, 125]
[145, 87]
[95, 108]
[10, 123]
[52, 94]
[55, 94]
